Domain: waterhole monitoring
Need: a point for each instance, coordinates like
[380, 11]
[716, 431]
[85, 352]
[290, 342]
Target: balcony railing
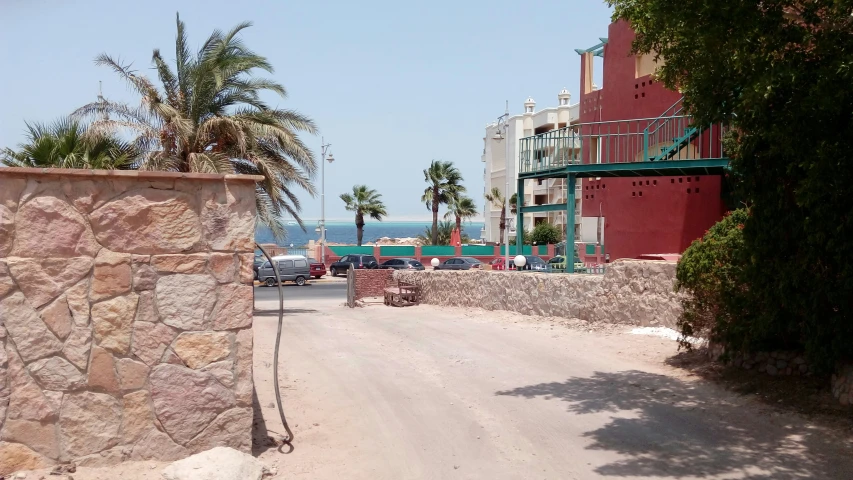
[670, 137]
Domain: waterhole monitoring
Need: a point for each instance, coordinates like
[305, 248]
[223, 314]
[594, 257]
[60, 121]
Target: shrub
[546, 233]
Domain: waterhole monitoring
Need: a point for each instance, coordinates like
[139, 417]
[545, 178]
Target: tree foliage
[546, 233]
[461, 208]
[207, 116]
[777, 74]
[444, 183]
[364, 201]
[66, 144]
[445, 230]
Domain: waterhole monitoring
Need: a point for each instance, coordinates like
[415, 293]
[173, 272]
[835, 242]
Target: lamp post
[324, 149]
[503, 124]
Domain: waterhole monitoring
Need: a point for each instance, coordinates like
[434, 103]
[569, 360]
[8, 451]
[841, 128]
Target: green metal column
[519, 219]
[570, 223]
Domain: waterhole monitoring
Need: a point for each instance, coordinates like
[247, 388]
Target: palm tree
[444, 182]
[496, 198]
[364, 201]
[462, 208]
[66, 144]
[207, 116]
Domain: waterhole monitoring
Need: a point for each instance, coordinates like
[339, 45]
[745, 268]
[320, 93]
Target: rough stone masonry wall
[634, 292]
[125, 315]
[371, 283]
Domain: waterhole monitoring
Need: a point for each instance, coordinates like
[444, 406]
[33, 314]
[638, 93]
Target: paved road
[441, 393]
[314, 290]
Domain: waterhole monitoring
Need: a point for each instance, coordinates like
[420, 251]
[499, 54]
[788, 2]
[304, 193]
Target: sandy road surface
[428, 392]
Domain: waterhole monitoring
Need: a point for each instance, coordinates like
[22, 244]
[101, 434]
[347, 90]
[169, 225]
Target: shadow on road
[670, 428]
[261, 438]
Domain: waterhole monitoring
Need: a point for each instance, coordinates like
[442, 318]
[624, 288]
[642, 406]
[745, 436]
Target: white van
[291, 268]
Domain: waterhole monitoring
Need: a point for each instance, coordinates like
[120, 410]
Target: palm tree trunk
[503, 224]
[459, 224]
[435, 216]
[359, 226]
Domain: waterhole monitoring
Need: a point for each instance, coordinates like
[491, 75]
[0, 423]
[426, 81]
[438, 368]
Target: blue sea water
[345, 232]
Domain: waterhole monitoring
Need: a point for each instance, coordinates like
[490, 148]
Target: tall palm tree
[364, 201]
[462, 208]
[444, 182]
[496, 198]
[65, 143]
[207, 116]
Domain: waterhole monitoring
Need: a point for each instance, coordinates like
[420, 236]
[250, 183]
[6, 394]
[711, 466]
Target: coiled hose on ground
[287, 440]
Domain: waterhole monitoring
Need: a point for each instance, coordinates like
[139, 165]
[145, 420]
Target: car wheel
[300, 281]
[334, 271]
[269, 282]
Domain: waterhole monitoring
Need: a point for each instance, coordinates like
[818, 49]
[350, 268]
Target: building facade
[498, 144]
[632, 216]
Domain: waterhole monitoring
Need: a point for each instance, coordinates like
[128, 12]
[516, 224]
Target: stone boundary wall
[125, 315]
[630, 292]
[371, 283]
[783, 363]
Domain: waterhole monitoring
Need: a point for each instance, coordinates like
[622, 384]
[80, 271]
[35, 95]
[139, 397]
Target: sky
[392, 85]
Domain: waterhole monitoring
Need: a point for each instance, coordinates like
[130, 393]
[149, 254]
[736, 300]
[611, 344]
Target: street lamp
[434, 262]
[501, 134]
[520, 260]
[324, 149]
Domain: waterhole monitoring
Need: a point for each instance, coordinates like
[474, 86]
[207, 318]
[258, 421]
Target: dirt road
[427, 392]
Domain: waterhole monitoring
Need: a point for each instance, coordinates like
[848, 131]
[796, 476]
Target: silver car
[291, 268]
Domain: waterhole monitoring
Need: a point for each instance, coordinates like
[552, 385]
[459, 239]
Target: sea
[345, 232]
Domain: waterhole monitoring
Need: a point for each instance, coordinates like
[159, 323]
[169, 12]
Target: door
[285, 270]
[301, 268]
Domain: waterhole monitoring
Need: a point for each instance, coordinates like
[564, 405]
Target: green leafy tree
[364, 201]
[208, 116]
[776, 75]
[461, 208]
[66, 144]
[546, 233]
[445, 230]
[444, 183]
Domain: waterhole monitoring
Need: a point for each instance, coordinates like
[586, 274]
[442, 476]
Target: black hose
[289, 437]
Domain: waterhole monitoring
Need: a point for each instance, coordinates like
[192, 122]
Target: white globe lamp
[434, 262]
[520, 261]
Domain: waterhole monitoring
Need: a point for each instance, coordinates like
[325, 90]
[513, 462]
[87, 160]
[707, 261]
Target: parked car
[291, 268]
[259, 260]
[559, 263]
[402, 264]
[498, 263]
[534, 263]
[317, 269]
[460, 263]
[357, 261]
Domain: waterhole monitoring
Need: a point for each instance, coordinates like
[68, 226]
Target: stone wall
[371, 283]
[630, 292]
[125, 315]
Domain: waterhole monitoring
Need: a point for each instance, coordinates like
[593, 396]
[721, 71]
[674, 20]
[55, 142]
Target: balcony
[637, 147]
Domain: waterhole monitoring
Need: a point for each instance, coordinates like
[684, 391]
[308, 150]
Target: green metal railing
[668, 137]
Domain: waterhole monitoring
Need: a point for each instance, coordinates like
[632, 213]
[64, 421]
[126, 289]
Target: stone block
[186, 401]
[15, 457]
[78, 345]
[39, 436]
[234, 307]
[47, 226]
[144, 278]
[198, 349]
[224, 267]
[243, 368]
[89, 423]
[102, 371]
[145, 221]
[186, 301]
[57, 317]
[156, 445]
[112, 320]
[232, 428]
[132, 375]
[56, 373]
[137, 417]
[112, 275]
[192, 263]
[32, 337]
[146, 310]
[150, 340]
[7, 285]
[43, 279]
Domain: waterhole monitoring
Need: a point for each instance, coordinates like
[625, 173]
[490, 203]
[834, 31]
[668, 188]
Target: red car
[317, 268]
[498, 263]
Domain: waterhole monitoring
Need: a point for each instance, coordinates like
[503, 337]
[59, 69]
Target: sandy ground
[437, 393]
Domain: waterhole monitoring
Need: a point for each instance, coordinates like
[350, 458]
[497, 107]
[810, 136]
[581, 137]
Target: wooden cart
[402, 294]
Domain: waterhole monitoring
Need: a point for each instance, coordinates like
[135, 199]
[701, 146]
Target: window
[266, 265]
[286, 264]
[300, 263]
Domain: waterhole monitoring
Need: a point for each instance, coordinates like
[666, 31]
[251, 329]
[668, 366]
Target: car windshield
[557, 260]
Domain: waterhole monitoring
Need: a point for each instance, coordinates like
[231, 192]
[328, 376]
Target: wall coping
[140, 174]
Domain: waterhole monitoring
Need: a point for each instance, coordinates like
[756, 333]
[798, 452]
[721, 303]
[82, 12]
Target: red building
[641, 214]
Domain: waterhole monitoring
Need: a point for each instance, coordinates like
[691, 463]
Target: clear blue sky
[391, 84]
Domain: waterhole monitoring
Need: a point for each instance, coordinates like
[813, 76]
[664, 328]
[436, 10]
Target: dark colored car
[259, 260]
[402, 264]
[357, 261]
[535, 263]
[460, 263]
[317, 268]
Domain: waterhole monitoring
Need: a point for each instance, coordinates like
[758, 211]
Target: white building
[536, 192]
